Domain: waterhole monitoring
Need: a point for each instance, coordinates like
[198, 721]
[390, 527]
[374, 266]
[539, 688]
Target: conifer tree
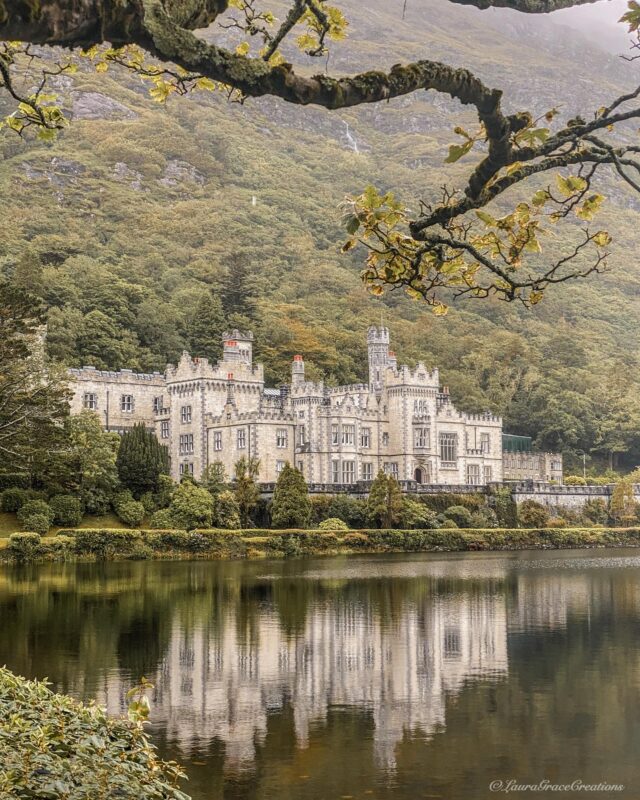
[245, 487]
[226, 513]
[215, 478]
[623, 508]
[206, 327]
[28, 272]
[141, 460]
[384, 505]
[291, 507]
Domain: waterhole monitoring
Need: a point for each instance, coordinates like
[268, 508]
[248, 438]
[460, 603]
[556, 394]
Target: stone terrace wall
[546, 494]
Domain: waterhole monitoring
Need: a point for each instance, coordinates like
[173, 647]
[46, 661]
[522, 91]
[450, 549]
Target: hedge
[52, 746]
[14, 480]
[105, 543]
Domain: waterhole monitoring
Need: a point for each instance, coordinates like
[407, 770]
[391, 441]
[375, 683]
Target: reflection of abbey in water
[223, 683]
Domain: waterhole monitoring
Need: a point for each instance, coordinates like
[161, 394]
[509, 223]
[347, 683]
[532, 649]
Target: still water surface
[420, 676]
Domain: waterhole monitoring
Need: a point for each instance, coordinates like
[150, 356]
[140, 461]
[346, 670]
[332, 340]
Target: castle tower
[297, 370]
[237, 347]
[378, 347]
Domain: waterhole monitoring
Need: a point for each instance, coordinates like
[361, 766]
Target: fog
[599, 22]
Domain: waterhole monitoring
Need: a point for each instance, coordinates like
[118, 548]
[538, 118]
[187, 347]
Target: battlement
[485, 416]
[123, 376]
[378, 335]
[418, 376]
[195, 368]
[349, 388]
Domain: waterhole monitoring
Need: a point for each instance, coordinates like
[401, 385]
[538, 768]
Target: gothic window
[217, 441]
[348, 472]
[488, 474]
[242, 438]
[335, 472]
[419, 406]
[335, 434]
[485, 442]
[91, 401]
[473, 474]
[365, 437]
[164, 429]
[302, 435]
[421, 437]
[385, 439]
[348, 434]
[186, 443]
[185, 414]
[280, 466]
[157, 405]
[391, 468]
[281, 437]
[126, 402]
[186, 469]
[367, 471]
[448, 447]
[300, 466]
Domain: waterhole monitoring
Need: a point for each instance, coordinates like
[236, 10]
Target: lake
[392, 676]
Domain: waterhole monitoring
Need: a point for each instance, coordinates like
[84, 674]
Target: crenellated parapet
[121, 377]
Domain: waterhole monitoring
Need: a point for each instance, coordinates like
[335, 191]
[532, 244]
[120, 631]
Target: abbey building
[402, 421]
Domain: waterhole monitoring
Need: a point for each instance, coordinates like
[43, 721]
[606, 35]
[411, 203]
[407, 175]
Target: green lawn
[9, 524]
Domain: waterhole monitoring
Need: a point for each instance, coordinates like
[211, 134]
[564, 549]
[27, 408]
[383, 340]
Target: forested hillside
[147, 229]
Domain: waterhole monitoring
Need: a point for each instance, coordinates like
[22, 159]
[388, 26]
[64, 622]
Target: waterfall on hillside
[353, 144]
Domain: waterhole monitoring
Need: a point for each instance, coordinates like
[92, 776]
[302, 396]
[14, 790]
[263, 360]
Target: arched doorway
[419, 475]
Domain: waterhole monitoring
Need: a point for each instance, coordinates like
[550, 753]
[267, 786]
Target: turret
[378, 347]
[237, 347]
[297, 370]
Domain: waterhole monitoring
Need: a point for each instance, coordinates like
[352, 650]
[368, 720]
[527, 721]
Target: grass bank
[87, 544]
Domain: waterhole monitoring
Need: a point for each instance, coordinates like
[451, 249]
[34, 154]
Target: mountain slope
[137, 211]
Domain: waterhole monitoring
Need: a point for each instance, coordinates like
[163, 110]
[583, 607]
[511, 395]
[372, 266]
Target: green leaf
[456, 151]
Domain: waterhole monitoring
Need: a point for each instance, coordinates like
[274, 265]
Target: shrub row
[218, 543]
[13, 480]
[52, 746]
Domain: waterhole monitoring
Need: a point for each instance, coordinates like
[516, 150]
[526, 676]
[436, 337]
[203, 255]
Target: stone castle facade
[402, 421]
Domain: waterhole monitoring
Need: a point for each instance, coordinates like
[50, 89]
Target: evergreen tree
[291, 507]
[33, 393]
[385, 504]
[28, 272]
[245, 487]
[215, 478]
[141, 460]
[205, 328]
[92, 461]
[623, 508]
[226, 513]
[191, 506]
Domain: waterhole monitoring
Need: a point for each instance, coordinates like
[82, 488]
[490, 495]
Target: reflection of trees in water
[400, 647]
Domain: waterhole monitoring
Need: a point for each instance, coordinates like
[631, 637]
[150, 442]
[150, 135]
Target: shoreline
[88, 544]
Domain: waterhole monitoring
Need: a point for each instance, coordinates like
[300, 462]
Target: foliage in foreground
[54, 747]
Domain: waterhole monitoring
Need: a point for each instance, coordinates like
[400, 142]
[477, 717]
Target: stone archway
[420, 474]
